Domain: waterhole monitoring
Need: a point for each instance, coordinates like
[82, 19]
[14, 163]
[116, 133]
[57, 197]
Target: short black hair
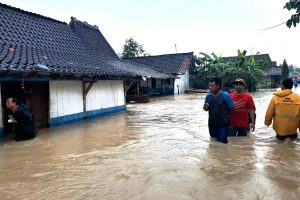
[287, 83]
[217, 80]
[13, 99]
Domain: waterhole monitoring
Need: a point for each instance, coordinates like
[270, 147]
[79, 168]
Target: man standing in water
[23, 119]
[284, 110]
[218, 104]
[295, 81]
[243, 104]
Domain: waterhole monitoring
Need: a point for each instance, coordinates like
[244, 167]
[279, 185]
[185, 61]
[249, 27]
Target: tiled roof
[168, 63]
[28, 39]
[272, 69]
[94, 40]
[262, 57]
[140, 69]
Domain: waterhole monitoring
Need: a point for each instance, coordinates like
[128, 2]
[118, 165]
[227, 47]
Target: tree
[284, 70]
[295, 18]
[197, 74]
[206, 67]
[297, 70]
[245, 67]
[241, 66]
[132, 49]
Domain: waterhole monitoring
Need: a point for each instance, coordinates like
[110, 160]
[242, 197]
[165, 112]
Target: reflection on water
[159, 150]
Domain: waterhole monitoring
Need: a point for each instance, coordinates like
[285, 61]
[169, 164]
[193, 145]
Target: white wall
[105, 94]
[182, 82]
[65, 98]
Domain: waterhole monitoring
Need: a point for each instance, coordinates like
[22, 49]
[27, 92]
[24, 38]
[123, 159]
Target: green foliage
[291, 68]
[132, 49]
[228, 69]
[297, 70]
[295, 18]
[284, 70]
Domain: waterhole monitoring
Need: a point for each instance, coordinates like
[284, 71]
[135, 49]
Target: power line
[265, 29]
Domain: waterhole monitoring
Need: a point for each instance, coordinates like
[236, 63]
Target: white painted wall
[183, 83]
[105, 94]
[65, 98]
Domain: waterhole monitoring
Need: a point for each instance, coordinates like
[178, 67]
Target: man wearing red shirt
[243, 104]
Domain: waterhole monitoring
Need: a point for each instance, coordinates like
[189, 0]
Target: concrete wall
[105, 97]
[66, 101]
[182, 83]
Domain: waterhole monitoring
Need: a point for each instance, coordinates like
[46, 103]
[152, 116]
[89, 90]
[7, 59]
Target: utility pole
[175, 48]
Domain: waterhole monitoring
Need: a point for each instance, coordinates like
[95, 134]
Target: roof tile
[33, 36]
[167, 63]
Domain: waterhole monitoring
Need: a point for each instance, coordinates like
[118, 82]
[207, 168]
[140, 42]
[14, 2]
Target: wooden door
[37, 100]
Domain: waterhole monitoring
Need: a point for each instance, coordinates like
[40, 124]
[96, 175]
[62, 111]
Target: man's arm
[252, 117]
[206, 105]
[251, 110]
[229, 102]
[270, 113]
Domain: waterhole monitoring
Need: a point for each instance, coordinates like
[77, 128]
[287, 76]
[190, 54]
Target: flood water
[155, 151]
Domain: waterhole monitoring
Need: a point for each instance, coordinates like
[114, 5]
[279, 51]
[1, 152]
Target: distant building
[272, 71]
[177, 65]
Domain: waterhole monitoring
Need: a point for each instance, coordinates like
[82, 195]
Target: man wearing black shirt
[23, 120]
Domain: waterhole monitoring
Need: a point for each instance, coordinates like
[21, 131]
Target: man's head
[11, 103]
[287, 84]
[215, 85]
[239, 85]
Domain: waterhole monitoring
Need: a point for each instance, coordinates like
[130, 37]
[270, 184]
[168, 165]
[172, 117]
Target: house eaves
[28, 40]
[99, 47]
[175, 64]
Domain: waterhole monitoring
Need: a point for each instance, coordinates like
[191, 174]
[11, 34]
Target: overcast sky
[219, 26]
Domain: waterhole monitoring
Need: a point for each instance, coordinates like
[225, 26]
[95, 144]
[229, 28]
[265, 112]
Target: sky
[177, 26]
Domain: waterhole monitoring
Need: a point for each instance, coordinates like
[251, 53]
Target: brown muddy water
[155, 151]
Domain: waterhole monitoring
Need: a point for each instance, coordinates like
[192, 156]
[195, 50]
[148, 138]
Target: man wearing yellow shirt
[284, 110]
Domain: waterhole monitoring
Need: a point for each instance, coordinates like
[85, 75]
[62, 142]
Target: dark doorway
[153, 84]
[35, 95]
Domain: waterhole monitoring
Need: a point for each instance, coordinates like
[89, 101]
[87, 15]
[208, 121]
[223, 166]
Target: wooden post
[85, 91]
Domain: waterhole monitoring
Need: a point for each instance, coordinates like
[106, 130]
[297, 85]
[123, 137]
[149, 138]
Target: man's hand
[252, 126]
[206, 106]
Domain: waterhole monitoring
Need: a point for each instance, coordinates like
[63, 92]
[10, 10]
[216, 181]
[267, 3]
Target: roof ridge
[165, 55]
[74, 19]
[30, 13]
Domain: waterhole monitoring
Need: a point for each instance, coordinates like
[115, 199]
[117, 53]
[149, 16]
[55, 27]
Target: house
[98, 46]
[175, 64]
[272, 71]
[62, 72]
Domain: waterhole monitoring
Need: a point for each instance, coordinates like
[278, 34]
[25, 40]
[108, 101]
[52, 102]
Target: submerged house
[177, 65]
[99, 47]
[62, 72]
[272, 71]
